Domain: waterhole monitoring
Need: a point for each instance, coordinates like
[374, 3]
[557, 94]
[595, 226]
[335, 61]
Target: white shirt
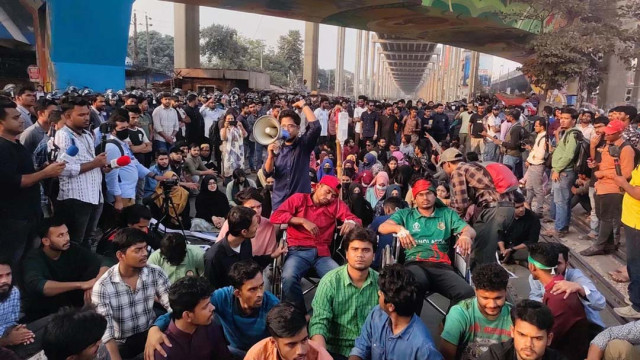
[587, 131]
[86, 187]
[165, 120]
[536, 155]
[323, 117]
[357, 113]
[211, 116]
[25, 115]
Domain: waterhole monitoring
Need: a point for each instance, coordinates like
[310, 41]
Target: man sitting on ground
[392, 325]
[74, 334]
[242, 310]
[474, 324]
[524, 230]
[59, 273]
[345, 296]
[177, 258]
[532, 323]
[426, 232]
[289, 338]
[192, 333]
[126, 293]
[312, 223]
[616, 342]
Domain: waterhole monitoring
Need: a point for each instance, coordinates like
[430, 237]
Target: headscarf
[365, 178]
[390, 190]
[382, 178]
[179, 196]
[399, 155]
[376, 168]
[321, 171]
[359, 206]
[369, 160]
[321, 157]
[354, 160]
[211, 203]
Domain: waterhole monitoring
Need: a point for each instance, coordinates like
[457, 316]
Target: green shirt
[473, 333]
[193, 264]
[340, 308]
[432, 234]
[563, 155]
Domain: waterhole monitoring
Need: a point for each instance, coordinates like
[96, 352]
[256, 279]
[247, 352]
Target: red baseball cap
[613, 127]
[332, 182]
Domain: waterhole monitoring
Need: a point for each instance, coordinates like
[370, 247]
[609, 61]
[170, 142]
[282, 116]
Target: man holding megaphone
[288, 163]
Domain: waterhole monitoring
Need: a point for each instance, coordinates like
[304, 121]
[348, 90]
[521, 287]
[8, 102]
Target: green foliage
[161, 50]
[574, 37]
[224, 48]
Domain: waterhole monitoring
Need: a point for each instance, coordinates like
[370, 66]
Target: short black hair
[601, 120]
[534, 313]
[290, 114]
[399, 288]
[186, 293]
[43, 103]
[176, 150]
[194, 145]
[133, 109]
[68, 103]
[247, 194]
[21, 89]
[55, 116]
[240, 218]
[548, 109]
[173, 247]
[285, 320]
[472, 156]
[118, 115]
[562, 250]
[128, 237]
[161, 152]
[70, 331]
[361, 234]
[490, 277]
[571, 111]
[191, 97]
[393, 202]
[518, 198]
[515, 113]
[544, 253]
[243, 271]
[48, 223]
[542, 122]
[134, 213]
[629, 110]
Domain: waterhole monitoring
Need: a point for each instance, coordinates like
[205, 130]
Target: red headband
[420, 186]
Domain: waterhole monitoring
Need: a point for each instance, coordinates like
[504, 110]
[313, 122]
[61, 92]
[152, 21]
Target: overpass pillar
[612, 90]
[372, 58]
[340, 63]
[310, 70]
[356, 73]
[186, 41]
[379, 72]
[365, 65]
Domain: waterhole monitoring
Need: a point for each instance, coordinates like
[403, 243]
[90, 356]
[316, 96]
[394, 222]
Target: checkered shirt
[9, 310]
[469, 175]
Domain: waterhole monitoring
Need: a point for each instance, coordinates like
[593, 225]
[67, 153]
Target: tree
[290, 49]
[161, 50]
[573, 38]
[221, 46]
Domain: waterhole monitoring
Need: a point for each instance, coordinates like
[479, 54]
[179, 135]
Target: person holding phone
[232, 135]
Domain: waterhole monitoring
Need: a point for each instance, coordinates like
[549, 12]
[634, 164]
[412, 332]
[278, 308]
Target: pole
[135, 38]
[365, 65]
[146, 20]
[356, 73]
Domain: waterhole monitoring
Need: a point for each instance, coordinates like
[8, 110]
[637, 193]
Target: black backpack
[636, 151]
[581, 153]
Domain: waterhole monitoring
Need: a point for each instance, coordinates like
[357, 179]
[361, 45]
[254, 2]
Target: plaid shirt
[632, 136]
[9, 311]
[471, 176]
[129, 312]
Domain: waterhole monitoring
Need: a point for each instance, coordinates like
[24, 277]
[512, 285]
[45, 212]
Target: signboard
[343, 126]
[34, 73]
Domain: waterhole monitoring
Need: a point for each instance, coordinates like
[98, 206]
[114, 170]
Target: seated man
[570, 328]
[312, 222]
[392, 325]
[126, 293]
[160, 167]
[616, 342]
[390, 205]
[345, 296]
[75, 334]
[524, 230]
[18, 338]
[135, 216]
[59, 273]
[575, 281]
[426, 233]
[289, 338]
[178, 259]
[474, 324]
[532, 323]
[241, 308]
[191, 332]
[194, 165]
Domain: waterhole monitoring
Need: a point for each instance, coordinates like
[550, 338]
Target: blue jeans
[259, 160]
[561, 205]
[515, 162]
[490, 152]
[632, 237]
[161, 145]
[250, 152]
[297, 263]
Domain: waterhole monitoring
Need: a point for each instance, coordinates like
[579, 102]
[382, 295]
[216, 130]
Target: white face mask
[381, 187]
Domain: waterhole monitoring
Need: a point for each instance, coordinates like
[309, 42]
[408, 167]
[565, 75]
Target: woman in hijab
[323, 155]
[358, 205]
[392, 191]
[179, 197]
[355, 162]
[348, 169]
[392, 169]
[326, 168]
[378, 189]
[368, 162]
[400, 157]
[212, 206]
[365, 179]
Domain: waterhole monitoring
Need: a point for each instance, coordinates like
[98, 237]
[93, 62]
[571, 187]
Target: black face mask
[163, 168]
[269, 187]
[122, 134]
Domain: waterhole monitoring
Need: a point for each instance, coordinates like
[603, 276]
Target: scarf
[321, 170]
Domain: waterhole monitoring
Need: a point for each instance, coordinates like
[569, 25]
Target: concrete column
[372, 56]
[310, 70]
[186, 42]
[340, 62]
[473, 74]
[379, 72]
[365, 64]
[356, 73]
[612, 90]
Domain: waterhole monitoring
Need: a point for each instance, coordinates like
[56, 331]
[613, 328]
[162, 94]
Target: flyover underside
[407, 61]
[469, 24]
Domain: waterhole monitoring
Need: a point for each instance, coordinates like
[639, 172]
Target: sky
[269, 29]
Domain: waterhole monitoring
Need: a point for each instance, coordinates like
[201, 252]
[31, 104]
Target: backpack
[581, 153]
[503, 178]
[636, 151]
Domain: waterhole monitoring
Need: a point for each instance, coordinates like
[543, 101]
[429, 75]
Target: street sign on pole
[34, 73]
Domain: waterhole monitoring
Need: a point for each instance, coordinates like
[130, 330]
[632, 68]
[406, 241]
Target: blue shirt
[291, 168]
[9, 310]
[242, 331]
[440, 124]
[151, 183]
[123, 181]
[383, 240]
[377, 341]
[369, 120]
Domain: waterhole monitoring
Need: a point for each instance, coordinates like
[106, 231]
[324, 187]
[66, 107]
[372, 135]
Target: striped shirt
[165, 119]
[86, 187]
[340, 308]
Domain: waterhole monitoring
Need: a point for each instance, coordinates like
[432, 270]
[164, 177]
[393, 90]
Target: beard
[4, 294]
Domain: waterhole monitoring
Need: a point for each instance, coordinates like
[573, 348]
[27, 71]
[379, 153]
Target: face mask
[381, 187]
[163, 168]
[269, 187]
[122, 134]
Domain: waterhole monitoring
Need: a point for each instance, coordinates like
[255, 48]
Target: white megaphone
[267, 129]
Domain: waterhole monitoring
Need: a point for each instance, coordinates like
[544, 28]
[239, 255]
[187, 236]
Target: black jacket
[506, 351]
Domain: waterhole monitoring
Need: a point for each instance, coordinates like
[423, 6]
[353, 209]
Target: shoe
[592, 251]
[553, 233]
[548, 220]
[627, 312]
[587, 237]
[627, 300]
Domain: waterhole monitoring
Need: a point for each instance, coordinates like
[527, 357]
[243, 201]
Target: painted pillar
[186, 41]
[310, 69]
[76, 57]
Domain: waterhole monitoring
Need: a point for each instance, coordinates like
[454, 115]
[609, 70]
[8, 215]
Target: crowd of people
[100, 190]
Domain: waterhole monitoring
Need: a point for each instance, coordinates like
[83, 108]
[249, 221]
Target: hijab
[321, 170]
[365, 178]
[211, 203]
[359, 206]
[369, 160]
[391, 189]
[179, 196]
[399, 155]
[353, 159]
[378, 188]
